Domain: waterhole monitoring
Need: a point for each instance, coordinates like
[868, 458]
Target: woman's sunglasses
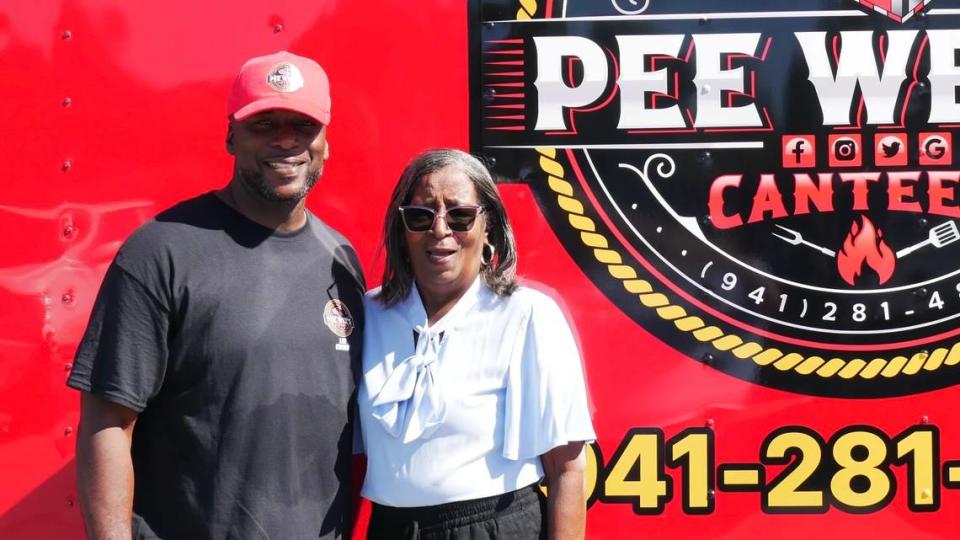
[420, 218]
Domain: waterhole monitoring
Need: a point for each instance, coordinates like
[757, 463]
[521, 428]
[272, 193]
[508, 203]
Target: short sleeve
[123, 354]
[546, 398]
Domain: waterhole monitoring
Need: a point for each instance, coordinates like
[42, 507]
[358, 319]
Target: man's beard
[255, 181]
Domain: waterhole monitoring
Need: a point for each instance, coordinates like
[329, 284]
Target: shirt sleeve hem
[109, 395]
[547, 446]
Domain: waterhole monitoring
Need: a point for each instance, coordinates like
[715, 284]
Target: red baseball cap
[280, 81]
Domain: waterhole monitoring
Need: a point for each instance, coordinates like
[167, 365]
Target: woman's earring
[486, 259]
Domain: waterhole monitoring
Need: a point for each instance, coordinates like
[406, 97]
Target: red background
[113, 110]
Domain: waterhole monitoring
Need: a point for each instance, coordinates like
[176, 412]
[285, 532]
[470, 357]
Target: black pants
[520, 514]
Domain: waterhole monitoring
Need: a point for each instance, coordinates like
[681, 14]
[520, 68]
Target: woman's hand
[566, 507]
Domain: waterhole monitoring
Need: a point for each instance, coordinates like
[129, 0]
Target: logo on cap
[285, 77]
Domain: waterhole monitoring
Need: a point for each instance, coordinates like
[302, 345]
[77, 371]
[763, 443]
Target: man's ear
[229, 141]
[326, 151]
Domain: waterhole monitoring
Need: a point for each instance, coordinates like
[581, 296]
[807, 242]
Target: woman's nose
[439, 227]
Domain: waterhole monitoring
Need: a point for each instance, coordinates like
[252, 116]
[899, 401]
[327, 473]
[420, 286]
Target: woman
[472, 387]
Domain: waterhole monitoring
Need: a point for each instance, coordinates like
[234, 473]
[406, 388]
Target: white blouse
[468, 410]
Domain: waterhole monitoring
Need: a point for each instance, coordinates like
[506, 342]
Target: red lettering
[717, 217]
[806, 191]
[860, 185]
[940, 193]
[767, 199]
[904, 191]
[897, 191]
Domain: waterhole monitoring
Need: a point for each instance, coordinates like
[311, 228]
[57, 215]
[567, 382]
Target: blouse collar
[416, 315]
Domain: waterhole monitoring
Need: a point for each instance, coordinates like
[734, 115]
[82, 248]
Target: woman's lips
[440, 256]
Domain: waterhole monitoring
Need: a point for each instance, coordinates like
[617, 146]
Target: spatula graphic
[941, 235]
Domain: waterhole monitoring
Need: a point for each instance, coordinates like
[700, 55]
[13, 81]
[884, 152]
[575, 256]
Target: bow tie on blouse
[410, 404]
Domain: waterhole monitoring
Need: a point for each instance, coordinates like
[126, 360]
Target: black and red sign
[770, 187]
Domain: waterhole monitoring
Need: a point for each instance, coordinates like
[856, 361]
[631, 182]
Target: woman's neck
[439, 304]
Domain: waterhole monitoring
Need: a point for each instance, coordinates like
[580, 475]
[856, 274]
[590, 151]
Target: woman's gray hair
[499, 274]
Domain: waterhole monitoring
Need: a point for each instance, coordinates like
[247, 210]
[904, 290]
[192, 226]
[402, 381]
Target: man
[218, 368]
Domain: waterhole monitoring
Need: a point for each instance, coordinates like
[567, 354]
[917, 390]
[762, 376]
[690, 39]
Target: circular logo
[337, 318]
[720, 190]
[788, 280]
[285, 77]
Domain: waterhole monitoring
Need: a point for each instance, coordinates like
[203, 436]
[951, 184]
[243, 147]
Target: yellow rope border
[528, 8]
[720, 339]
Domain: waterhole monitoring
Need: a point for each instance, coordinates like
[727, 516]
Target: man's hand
[104, 467]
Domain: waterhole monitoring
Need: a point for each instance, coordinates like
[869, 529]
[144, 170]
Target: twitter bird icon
[891, 149]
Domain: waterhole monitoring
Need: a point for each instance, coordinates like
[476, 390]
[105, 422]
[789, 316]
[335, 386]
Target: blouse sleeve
[546, 398]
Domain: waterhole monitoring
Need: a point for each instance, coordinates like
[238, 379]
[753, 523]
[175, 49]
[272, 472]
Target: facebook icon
[799, 151]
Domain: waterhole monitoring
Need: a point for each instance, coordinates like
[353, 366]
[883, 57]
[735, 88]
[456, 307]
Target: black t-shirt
[239, 347]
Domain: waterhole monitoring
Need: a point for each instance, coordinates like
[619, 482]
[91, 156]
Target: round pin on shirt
[338, 319]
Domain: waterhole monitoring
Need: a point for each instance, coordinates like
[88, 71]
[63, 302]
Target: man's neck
[278, 215]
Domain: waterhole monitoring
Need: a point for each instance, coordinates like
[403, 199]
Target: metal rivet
[705, 220]
[489, 94]
[67, 431]
[924, 419]
[67, 298]
[277, 28]
[704, 20]
[69, 232]
[711, 493]
[705, 89]
[707, 358]
[922, 291]
[70, 502]
[491, 162]
[489, 24]
[66, 35]
[710, 423]
[923, 222]
[67, 165]
[67, 367]
[925, 493]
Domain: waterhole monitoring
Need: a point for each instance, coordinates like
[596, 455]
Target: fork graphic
[795, 238]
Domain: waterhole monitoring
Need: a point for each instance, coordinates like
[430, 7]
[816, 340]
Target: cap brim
[302, 106]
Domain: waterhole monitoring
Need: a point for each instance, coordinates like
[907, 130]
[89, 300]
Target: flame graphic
[865, 244]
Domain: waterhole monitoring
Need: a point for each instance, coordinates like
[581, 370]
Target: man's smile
[285, 166]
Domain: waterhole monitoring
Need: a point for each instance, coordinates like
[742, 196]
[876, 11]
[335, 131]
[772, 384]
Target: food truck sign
[771, 190]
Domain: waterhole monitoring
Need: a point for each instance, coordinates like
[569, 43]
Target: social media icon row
[846, 150]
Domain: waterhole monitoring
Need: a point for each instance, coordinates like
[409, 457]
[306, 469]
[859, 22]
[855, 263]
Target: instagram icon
[844, 150]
